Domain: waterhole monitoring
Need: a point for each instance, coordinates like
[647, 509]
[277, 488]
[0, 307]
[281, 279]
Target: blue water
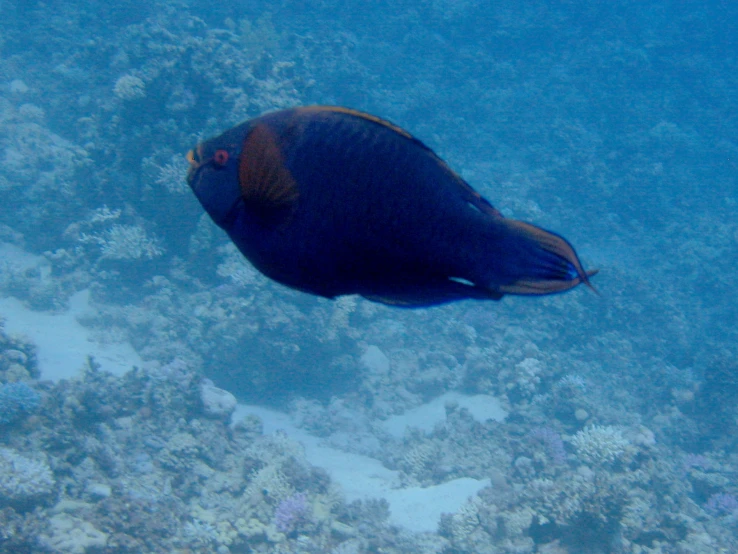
[612, 123]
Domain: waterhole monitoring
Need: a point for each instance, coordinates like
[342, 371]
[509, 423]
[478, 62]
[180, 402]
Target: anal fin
[431, 294]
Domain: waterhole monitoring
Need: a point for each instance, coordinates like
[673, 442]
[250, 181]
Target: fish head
[213, 174]
[245, 170]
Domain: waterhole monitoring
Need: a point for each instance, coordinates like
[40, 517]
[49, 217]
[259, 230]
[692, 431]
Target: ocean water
[157, 394]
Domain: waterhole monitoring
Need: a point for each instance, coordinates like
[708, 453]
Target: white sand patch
[481, 406]
[63, 343]
[20, 259]
[361, 477]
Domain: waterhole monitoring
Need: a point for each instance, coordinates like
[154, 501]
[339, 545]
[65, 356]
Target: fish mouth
[193, 157]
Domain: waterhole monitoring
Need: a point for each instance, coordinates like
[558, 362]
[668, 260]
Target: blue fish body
[332, 201]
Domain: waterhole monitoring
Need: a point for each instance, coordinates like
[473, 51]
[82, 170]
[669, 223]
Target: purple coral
[553, 443]
[721, 504]
[291, 512]
[696, 461]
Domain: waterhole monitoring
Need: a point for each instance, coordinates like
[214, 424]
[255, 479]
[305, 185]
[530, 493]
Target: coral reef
[614, 123]
[148, 461]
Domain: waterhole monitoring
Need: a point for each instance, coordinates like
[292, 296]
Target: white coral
[527, 374]
[419, 457]
[103, 214]
[172, 175]
[600, 444]
[124, 242]
[466, 520]
[517, 522]
[200, 533]
[23, 479]
[129, 87]
[270, 481]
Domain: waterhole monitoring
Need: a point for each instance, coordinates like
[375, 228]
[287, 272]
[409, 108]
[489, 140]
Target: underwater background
[157, 394]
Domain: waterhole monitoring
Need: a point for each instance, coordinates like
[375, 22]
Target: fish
[333, 201]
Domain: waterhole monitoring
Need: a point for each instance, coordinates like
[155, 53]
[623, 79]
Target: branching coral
[124, 242]
[599, 444]
[171, 175]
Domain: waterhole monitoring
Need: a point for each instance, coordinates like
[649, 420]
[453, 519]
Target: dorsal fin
[265, 181]
[361, 115]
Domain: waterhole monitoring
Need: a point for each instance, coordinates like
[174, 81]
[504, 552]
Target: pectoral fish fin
[266, 183]
[434, 294]
[552, 264]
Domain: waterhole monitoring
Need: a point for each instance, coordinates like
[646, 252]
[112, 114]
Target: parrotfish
[333, 201]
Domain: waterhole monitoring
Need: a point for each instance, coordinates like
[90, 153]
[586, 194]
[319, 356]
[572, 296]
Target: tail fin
[551, 264]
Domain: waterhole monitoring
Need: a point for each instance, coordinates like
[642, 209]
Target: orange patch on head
[262, 175]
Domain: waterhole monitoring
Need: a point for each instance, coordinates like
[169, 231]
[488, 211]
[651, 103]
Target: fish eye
[220, 158]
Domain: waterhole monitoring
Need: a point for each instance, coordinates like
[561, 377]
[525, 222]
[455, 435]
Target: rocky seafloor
[150, 462]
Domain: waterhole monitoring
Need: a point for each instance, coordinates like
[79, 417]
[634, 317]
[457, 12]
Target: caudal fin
[548, 262]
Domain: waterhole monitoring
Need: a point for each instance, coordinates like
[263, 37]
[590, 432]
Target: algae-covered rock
[24, 482]
[217, 403]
